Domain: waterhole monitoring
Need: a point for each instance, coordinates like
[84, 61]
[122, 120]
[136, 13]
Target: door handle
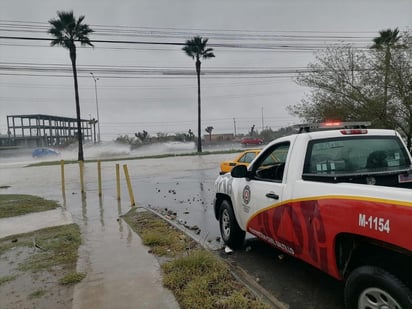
[272, 195]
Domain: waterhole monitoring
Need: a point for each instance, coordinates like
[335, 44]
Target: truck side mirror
[239, 171]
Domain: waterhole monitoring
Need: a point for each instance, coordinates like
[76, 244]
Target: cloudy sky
[259, 47]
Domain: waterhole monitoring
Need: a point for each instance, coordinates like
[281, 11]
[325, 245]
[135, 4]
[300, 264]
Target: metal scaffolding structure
[45, 130]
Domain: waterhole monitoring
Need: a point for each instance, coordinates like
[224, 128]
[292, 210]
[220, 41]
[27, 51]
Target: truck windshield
[356, 155]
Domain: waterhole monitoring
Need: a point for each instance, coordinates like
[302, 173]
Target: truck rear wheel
[232, 234]
[373, 287]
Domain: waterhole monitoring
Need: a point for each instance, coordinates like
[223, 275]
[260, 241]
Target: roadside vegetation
[198, 278]
[37, 269]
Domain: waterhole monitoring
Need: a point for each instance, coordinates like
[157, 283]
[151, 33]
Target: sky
[259, 46]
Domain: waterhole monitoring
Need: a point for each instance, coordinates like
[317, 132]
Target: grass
[49, 253]
[198, 278]
[57, 246]
[161, 237]
[20, 204]
[51, 249]
[37, 294]
[72, 278]
[6, 279]
[44, 260]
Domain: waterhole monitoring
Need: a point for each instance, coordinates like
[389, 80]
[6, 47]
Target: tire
[374, 287]
[231, 233]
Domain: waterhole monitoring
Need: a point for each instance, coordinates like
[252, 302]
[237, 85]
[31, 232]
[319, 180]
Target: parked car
[44, 152]
[251, 141]
[244, 158]
[340, 200]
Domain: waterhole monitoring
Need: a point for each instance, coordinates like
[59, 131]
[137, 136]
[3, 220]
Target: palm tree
[196, 48]
[209, 130]
[66, 30]
[387, 40]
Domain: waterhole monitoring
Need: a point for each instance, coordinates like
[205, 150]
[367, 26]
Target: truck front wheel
[232, 234]
[373, 287]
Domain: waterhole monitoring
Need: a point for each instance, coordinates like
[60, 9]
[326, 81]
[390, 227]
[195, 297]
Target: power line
[19, 25]
[165, 43]
[111, 71]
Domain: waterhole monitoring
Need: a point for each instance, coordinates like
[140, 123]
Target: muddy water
[179, 187]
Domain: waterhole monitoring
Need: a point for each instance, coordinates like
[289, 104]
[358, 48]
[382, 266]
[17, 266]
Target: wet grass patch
[37, 294]
[162, 238]
[198, 278]
[55, 246]
[39, 267]
[48, 249]
[72, 278]
[20, 204]
[6, 279]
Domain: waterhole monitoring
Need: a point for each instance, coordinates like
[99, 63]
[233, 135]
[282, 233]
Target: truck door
[264, 187]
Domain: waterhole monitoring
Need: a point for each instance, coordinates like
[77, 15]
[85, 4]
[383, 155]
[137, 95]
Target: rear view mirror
[239, 171]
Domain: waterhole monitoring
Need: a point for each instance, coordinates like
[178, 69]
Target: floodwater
[179, 187]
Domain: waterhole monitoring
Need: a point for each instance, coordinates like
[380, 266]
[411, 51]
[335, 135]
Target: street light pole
[262, 119]
[234, 124]
[97, 106]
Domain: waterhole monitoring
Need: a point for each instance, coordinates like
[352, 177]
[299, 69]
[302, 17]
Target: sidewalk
[120, 271]
[34, 221]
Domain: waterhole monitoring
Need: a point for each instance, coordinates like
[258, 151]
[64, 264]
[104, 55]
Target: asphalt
[111, 281]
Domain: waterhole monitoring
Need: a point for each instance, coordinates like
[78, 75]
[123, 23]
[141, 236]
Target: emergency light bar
[331, 125]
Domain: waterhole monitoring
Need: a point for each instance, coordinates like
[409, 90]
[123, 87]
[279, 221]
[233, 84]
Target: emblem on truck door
[246, 194]
[246, 199]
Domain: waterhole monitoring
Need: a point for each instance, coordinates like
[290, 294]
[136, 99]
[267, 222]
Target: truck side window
[271, 164]
[355, 155]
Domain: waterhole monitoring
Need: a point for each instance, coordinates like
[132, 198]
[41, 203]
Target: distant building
[218, 138]
[43, 130]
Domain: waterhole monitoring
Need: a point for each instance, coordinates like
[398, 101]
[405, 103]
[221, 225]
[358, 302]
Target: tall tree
[197, 48]
[209, 130]
[385, 42]
[400, 86]
[347, 84]
[340, 87]
[66, 31]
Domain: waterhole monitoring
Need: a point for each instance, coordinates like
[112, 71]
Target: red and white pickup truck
[340, 200]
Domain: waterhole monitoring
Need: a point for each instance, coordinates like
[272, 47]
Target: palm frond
[196, 48]
[66, 30]
[386, 38]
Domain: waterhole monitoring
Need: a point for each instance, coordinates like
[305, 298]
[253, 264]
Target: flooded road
[181, 189]
[110, 253]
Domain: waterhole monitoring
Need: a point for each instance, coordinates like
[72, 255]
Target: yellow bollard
[118, 181]
[129, 185]
[99, 176]
[62, 176]
[81, 165]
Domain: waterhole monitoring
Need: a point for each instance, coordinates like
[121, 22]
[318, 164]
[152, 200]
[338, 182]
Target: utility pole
[97, 106]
